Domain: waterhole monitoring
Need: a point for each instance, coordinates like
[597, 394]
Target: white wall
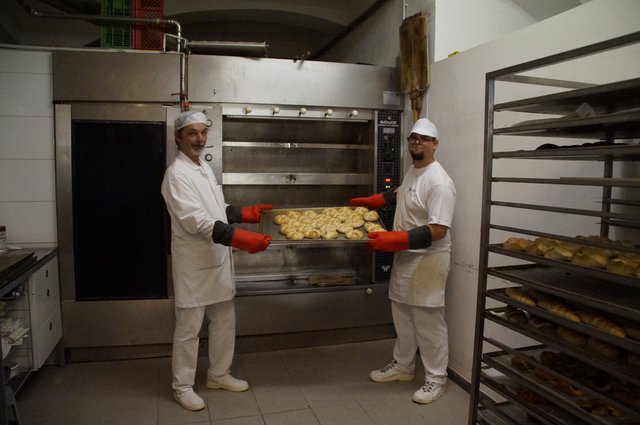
[455, 102]
[27, 166]
[462, 24]
[374, 42]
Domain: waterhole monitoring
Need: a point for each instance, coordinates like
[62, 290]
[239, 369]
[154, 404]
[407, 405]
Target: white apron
[419, 279]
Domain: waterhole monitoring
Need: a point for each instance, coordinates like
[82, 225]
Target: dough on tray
[371, 216]
[354, 234]
[327, 223]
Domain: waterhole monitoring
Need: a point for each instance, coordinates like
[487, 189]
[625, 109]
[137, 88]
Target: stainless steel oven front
[295, 135]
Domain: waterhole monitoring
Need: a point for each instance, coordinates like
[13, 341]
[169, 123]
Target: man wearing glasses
[422, 244]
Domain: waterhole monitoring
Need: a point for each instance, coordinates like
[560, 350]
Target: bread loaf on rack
[602, 323]
[516, 244]
[558, 309]
[602, 348]
[622, 266]
[567, 388]
[633, 358]
[596, 250]
[592, 260]
[632, 330]
[629, 395]
[559, 253]
[541, 324]
[572, 337]
[541, 245]
[517, 294]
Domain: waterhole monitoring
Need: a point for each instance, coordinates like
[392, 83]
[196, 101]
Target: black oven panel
[389, 145]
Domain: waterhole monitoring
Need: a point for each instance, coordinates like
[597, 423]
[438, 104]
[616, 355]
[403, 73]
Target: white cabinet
[44, 311]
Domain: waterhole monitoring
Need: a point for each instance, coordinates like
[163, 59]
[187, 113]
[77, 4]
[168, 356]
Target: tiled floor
[320, 386]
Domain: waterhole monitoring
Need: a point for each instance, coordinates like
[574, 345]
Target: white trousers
[424, 329]
[222, 337]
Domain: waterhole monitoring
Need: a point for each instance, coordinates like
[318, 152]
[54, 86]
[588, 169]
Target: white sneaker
[430, 392]
[390, 373]
[227, 382]
[189, 400]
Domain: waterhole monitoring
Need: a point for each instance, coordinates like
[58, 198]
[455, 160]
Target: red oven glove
[374, 201]
[249, 241]
[252, 214]
[388, 241]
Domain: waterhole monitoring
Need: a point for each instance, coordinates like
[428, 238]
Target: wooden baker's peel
[414, 60]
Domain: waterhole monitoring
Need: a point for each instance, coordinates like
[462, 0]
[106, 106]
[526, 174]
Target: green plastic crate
[116, 35]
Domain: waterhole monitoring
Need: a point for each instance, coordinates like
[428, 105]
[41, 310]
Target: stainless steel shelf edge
[628, 217]
[620, 152]
[597, 273]
[574, 181]
[293, 145]
[621, 301]
[622, 94]
[295, 178]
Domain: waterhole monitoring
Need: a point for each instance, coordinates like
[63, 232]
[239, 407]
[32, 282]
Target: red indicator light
[387, 180]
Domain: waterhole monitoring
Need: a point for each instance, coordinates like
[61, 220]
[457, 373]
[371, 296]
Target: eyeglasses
[420, 139]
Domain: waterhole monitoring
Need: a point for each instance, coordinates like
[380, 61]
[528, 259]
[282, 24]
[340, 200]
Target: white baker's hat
[425, 127]
[189, 117]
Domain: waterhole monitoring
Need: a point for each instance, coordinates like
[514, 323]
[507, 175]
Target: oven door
[112, 222]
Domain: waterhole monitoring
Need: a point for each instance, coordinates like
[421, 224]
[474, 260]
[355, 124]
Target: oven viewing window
[119, 220]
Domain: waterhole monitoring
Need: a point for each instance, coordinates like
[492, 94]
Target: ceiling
[291, 29]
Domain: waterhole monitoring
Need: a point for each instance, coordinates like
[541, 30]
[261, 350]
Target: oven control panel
[388, 168]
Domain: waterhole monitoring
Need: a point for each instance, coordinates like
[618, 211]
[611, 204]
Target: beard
[417, 156]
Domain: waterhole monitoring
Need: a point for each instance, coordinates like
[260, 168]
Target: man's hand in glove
[245, 240]
[417, 238]
[252, 214]
[378, 200]
[388, 241]
[249, 241]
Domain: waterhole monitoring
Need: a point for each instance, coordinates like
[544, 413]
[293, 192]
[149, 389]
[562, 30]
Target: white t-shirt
[426, 196]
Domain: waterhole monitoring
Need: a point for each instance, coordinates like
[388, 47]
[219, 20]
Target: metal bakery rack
[562, 162]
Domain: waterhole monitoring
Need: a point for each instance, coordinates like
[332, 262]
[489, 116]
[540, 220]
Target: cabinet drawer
[45, 338]
[44, 293]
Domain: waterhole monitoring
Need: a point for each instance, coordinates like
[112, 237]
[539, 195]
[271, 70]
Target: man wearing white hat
[202, 264]
[421, 241]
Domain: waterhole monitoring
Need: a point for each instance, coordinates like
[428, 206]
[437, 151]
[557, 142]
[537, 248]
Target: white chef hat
[425, 127]
[189, 117]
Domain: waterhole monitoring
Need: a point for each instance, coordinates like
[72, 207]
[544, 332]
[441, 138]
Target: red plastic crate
[148, 37]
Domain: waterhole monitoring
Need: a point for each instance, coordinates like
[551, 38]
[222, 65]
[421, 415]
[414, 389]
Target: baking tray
[268, 227]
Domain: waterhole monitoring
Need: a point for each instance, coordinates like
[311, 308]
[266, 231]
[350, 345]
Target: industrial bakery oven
[295, 135]
[303, 137]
